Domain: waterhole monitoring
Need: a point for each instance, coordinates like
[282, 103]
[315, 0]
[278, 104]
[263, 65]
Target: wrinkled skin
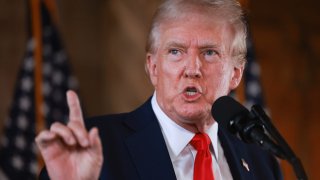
[69, 151]
[192, 67]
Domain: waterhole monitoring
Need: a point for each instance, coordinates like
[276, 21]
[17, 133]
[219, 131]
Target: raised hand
[70, 151]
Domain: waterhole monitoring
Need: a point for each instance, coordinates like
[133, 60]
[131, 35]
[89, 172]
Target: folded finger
[95, 146]
[95, 140]
[64, 133]
[44, 138]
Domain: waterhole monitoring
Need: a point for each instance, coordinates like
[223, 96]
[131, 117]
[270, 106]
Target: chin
[193, 114]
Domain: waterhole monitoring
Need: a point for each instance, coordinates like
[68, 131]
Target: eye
[209, 52]
[174, 51]
[174, 54]
[210, 55]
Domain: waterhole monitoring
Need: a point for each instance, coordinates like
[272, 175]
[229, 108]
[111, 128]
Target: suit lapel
[149, 153]
[147, 146]
[238, 159]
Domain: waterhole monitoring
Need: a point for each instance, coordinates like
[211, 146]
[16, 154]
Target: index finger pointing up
[75, 113]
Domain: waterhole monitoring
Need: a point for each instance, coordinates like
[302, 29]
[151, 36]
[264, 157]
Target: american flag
[252, 93]
[252, 83]
[18, 152]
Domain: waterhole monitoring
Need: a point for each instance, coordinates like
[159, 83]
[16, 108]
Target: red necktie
[203, 162]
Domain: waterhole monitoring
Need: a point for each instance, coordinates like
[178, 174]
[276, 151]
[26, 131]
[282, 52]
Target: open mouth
[191, 91]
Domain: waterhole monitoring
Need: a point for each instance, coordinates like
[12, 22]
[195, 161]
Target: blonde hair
[228, 11]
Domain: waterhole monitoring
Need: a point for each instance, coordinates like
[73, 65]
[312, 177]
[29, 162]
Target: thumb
[95, 141]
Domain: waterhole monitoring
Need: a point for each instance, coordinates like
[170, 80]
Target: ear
[151, 67]
[236, 76]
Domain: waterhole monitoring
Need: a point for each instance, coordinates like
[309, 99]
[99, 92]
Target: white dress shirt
[182, 154]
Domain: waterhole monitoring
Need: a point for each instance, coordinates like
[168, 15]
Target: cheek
[171, 68]
[218, 81]
[170, 73]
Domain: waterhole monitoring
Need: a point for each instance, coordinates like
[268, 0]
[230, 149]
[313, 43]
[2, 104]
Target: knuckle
[38, 138]
[73, 124]
[77, 129]
[55, 125]
[42, 138]
[77, 125]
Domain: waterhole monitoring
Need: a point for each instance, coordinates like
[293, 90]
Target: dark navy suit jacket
[134, 149]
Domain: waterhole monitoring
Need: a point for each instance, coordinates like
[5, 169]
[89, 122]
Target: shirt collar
[176, 137]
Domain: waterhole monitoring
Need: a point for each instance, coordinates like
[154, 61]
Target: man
[195, 54]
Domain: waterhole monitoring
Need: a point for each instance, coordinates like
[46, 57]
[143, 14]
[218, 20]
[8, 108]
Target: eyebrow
[176, 44]
[207, 45]
[203, 46]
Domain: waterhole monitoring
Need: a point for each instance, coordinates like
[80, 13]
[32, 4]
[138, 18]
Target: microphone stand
[287, 152]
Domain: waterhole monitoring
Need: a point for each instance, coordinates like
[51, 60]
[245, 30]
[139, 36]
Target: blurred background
[104, 41]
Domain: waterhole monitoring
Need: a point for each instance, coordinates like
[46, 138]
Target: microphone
[251, 126]
[233, 116]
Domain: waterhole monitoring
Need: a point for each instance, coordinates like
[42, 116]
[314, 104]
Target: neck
[201, 126]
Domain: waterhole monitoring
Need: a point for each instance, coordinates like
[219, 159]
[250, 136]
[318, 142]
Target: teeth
[191, 93]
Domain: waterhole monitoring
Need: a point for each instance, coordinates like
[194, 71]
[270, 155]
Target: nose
[193, 68]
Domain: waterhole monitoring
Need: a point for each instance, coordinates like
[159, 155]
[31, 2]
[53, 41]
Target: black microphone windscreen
[225, 108]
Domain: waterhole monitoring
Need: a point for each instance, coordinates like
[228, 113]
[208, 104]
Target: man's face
[192, 67]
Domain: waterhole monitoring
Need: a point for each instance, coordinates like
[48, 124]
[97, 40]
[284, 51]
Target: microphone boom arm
[285, 148]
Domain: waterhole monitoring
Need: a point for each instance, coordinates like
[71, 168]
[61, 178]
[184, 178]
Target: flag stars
[26, 84]
[248, 104]
[17, 142]
[255, 69]
[46, 88]
[17, 162]
[45, 109]
[57, 77]
[47, 69]
[33, 167]
[24, 103]
[29, 64]
[254, 88]
[20, 142]
[22, 122]
[30, 45]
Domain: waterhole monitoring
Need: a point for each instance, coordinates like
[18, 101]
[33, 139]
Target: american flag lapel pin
[245, 165]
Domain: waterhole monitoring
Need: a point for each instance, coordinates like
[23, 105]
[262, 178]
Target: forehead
[195, 29]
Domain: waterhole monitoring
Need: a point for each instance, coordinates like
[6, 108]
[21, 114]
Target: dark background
[105, 41]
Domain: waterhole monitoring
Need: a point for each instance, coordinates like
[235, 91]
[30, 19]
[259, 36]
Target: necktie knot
[200, 141]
